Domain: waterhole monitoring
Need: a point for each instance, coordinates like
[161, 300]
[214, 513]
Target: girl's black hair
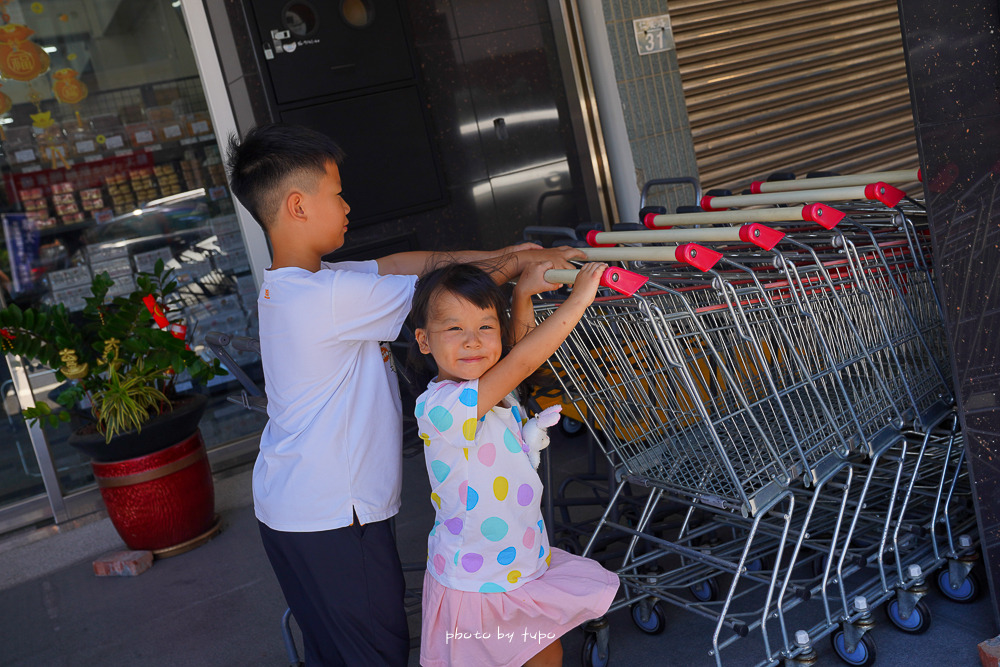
[468, 282]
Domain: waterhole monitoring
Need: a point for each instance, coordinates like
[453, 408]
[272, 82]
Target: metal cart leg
[286, 633]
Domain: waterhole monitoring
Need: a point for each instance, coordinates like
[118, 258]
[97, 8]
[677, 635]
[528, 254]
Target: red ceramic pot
[161, 502]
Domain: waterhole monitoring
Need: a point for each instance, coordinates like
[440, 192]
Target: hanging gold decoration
[72, 368]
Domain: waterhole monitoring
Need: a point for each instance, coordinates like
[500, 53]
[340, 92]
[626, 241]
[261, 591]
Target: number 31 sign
[653, 35]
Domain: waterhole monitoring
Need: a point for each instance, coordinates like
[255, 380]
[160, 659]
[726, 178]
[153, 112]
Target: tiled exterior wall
[653, 103]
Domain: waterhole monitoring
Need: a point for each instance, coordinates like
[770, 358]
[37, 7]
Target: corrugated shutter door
[786, 85]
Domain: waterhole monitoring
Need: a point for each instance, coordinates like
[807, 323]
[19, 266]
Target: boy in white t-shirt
[327, 477]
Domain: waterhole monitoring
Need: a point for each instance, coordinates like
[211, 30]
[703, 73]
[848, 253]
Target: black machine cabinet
[315, 49]
[345, 68]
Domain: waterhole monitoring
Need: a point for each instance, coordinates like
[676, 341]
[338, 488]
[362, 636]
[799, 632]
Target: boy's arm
[502, 265]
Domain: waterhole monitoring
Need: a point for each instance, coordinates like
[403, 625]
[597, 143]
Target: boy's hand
[587, 282]
[559, 256]
[532, 280]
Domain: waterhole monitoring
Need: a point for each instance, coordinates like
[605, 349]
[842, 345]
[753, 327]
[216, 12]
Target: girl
[495, 593]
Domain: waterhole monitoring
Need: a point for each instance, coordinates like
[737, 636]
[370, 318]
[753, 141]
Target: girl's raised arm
[531, 282]
[541, 342]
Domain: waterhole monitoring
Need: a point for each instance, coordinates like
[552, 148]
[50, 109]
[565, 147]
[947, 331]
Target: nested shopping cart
[791, 397]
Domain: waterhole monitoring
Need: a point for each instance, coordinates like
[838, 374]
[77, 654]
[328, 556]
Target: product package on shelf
[143, 184]
[91, 199]
[189, 271]
[141, 135]
[72, 277]
[21, 149]
[73, 298]
[105, 252]
[224, 224]
[145, 262]
[234, 261]
[122, 197]
[109, 134]
[115, 268]
[198, 124]
[167, 179]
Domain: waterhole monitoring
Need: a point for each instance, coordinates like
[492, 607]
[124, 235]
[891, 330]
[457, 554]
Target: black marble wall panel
[953, 62]
[477, 61]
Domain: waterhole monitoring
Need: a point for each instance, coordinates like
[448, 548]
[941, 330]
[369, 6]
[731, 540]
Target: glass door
[110, 162]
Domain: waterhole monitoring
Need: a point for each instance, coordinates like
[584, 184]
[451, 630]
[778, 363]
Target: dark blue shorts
[345, 588]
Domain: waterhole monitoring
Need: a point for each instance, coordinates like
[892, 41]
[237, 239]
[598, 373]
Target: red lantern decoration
[67, 88]
[20, 58]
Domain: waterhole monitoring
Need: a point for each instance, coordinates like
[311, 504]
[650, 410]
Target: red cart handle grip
[698, 256]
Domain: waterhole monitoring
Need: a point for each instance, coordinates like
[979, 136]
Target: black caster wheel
[657, 621]
[705, 591]
[967, 591]
[863, 655]
[571, 428]
[918, 622]
[591, 654]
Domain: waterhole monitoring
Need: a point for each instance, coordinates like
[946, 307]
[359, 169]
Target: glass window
[110, 163]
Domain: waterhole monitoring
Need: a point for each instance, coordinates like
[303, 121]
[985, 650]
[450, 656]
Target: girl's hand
[532, 280]
[587, 282]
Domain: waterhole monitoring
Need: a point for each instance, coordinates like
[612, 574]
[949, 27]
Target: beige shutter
[783, 85]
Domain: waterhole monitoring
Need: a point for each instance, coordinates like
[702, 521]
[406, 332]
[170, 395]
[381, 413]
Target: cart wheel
[968, 591]
[918, 622]
[706, 591]
[570, 427]
[863, 655]
[591, 656]
[657, 621]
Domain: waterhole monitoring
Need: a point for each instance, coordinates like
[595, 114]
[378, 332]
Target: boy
[327, 478]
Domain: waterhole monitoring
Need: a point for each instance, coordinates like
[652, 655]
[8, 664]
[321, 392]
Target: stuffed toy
[534, 431]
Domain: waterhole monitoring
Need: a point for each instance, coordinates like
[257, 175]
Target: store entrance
[110, 164]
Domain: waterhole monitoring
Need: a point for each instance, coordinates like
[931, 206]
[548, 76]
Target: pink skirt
[463, 628]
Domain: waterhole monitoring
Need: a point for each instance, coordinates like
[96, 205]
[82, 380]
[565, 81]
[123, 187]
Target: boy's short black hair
[261, 164]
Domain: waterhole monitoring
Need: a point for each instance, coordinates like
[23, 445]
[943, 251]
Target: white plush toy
[535, 436]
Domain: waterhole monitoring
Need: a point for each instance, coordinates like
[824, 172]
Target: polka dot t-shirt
[488, 534]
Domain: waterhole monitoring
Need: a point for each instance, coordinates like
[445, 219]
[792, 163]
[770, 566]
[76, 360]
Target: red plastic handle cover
[822, 215]
[755, 187]
[698, 256]
[884, 193]
[760, 235]
[592, 240]
[622, 281]
[920, 175]
[650, 221]
[706, 204]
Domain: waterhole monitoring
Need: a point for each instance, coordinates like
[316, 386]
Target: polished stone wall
[953, 61]
[496, 114]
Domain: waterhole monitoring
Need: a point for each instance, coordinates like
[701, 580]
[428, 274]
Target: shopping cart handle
[698, 256]
[822, 215]
[760, 235]
[620, 280]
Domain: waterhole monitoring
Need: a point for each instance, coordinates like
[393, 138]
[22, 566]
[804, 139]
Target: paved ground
[220, 605]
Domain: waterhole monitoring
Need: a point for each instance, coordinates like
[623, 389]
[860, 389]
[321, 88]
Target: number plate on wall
[653, 35]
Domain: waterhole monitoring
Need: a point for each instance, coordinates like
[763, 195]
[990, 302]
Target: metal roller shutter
[787, 85]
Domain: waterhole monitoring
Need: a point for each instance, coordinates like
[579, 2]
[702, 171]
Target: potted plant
[120, 359]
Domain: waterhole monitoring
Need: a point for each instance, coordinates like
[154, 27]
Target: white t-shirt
[488, 535]
[333, 440]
